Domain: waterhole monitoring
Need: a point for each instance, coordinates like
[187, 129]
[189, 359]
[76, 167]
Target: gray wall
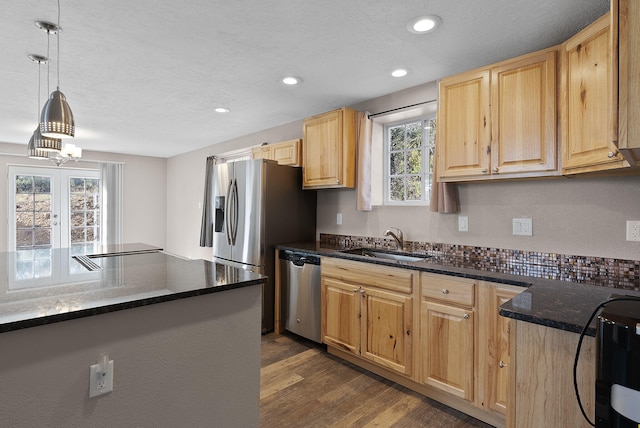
[193, 362]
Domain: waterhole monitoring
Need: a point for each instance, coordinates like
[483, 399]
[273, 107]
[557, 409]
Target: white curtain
[111, 223]
[364, 143]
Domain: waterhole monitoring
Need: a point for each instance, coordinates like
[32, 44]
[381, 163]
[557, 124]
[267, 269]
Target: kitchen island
[184, 336]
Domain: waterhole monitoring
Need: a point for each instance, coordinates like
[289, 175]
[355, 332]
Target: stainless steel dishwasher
[300, 285]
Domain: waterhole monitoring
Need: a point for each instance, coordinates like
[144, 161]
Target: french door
[53, 208]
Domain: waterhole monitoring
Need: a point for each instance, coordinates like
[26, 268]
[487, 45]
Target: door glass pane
[84, 214]
[33, 211]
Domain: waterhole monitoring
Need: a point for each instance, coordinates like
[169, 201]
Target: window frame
[427, 175]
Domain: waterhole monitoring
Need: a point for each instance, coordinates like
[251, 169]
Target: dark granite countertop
[558, 304]
[54, 286]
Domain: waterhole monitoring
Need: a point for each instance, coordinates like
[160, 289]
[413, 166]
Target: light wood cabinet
[590, 111]
[464, 129]
[448, 334]
[285, 152]
[329, 150]
[625, 24]
[367, 310]
[523, 114]
[447, 343]
[494, 349]
[544, 362]
[499, 121]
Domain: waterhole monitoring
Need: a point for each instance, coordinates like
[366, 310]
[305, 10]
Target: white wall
[145, 196]
[581, 216]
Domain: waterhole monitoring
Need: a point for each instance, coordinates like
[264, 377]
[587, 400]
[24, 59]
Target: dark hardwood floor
[303, 386]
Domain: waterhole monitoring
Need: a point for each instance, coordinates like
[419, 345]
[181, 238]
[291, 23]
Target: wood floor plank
[304, 386]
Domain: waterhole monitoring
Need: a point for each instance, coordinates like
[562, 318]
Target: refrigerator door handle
[234, 229]
[228, 210]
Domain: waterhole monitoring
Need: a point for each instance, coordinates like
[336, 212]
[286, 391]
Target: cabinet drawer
[388, 278]
[448, 289]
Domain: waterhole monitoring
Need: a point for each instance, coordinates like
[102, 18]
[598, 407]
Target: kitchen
[582, 216]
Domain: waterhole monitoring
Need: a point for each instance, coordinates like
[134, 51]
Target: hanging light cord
[58, 63]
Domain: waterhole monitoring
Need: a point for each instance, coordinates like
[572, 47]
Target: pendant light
[38, 144]
[56, 120]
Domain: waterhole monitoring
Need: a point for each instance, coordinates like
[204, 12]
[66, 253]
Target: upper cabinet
[286, 152]
[329, 150]
[626, 24]
[499, 121]
[589, 104]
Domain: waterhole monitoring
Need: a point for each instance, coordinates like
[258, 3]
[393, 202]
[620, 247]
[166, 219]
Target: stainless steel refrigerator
[258, 204]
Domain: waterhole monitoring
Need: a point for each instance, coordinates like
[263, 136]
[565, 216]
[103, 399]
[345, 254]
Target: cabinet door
[523, 114]
[447, 340]
[287, 152]
[463, 137]
[587, 112]
[261, 152]
[341, 315]
[387, 329]
[322, 150]
[498, 348]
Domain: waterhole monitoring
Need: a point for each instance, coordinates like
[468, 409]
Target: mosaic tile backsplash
[600, 271]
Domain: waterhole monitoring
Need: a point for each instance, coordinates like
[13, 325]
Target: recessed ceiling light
[400, 72]
[221, 110]
[424, 24]
[291, 80]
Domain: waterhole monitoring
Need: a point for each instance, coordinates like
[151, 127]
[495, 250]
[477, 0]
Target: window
[409, 148]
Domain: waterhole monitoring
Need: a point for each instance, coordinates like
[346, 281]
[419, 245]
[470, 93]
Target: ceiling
[143, 77]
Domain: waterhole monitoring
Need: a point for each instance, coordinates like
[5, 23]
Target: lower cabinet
[368, 312]
[447, 344]
[439, 335]
[447, 334]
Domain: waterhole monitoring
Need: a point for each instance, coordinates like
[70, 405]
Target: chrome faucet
[396, 236]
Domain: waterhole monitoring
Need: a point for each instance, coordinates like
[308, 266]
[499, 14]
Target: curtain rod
[400, 108]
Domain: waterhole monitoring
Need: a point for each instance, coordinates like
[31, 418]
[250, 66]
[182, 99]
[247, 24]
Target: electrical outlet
[100, 379]
[463, 223]
[523, 226]
[339, 218]
[633, 230]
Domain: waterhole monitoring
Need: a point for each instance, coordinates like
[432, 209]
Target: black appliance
[618, 365]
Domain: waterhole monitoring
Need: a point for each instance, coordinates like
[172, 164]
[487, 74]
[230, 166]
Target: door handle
[234, 229]
[228, 213]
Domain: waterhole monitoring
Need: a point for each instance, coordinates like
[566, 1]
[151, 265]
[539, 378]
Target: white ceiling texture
[143, 77]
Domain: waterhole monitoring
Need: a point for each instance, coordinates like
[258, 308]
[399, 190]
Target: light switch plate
[463, 223]
[633, 230]
[523, 226]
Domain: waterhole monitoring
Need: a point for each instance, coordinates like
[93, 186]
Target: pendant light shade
[32, 151]
[56, 120]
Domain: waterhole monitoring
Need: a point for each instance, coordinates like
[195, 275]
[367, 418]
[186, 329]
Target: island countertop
[114, 278]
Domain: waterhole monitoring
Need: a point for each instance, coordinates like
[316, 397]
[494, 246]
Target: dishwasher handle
[300, 259]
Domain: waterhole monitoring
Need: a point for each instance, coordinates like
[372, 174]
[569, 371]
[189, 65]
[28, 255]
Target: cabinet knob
[502, 364]
[355, 290]
[465, 316]
[484, 171]
[495, 169]
[612, 154]
[362, 292]
[445, 291]
[298, 320]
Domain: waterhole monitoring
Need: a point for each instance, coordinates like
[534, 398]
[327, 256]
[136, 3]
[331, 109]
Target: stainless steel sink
[389, 255]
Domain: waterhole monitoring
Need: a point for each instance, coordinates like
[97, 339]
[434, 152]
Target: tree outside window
[409, 148]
